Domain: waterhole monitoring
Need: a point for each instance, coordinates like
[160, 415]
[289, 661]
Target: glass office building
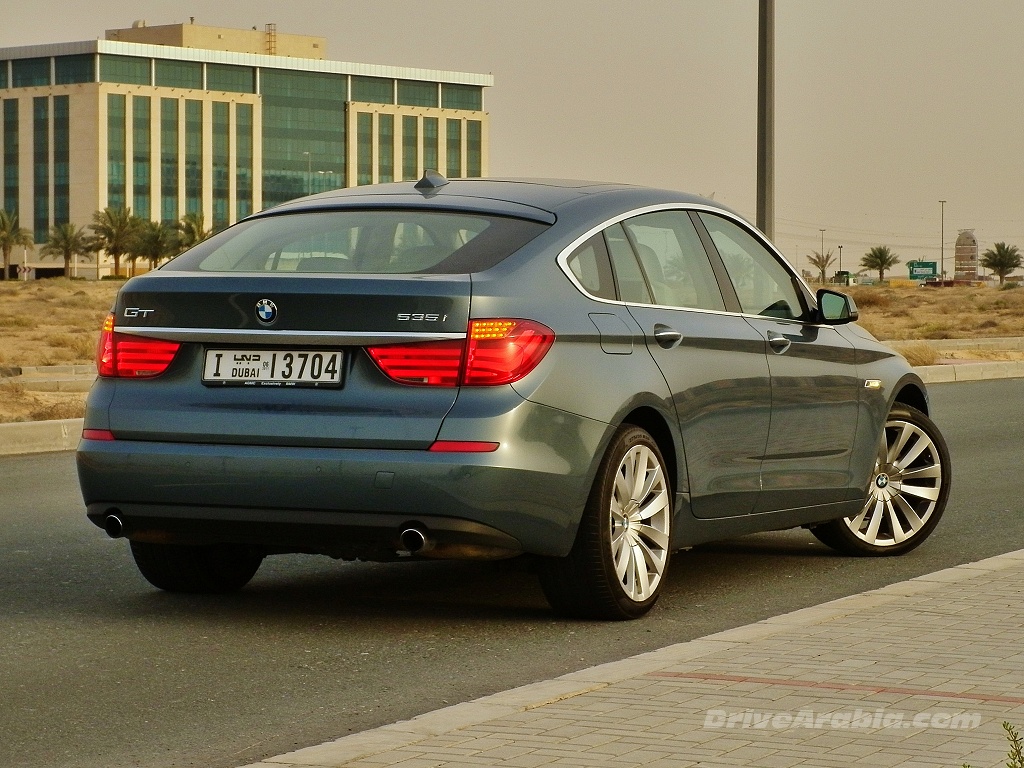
[189, 119]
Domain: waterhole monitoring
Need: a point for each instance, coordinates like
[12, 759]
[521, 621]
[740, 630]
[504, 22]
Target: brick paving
[919, 674]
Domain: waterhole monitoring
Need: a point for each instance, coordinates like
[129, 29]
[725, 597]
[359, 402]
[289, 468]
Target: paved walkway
[920, 673]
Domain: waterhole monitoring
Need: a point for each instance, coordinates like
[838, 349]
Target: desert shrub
[920, 354]
[63, 410]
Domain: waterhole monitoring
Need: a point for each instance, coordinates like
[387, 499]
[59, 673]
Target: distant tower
[966, 258]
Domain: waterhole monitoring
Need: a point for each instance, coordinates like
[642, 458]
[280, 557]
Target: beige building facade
[173, 128]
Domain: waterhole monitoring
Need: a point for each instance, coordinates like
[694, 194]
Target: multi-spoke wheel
[618, 563]
[907, 492]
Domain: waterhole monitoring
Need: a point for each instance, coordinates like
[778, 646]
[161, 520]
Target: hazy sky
[883, 107]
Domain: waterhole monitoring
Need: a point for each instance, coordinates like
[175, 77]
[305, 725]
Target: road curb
[373, 746]
[40, 436]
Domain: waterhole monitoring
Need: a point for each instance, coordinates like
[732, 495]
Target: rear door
[814, 383]
[713, 361]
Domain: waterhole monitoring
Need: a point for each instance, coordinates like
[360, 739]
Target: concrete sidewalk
[920, 673]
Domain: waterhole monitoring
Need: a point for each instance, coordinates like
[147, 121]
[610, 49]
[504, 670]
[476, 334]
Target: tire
[618, 563]
[906, 495]
[196, 570]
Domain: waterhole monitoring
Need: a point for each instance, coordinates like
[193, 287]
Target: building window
[61, 160]
[221, 151]
[117, 196]
[243, 160]
[303, 131]
[375, 90]
[364, 148]
[462, 96]
[74, 69]
[474, 149]
[410, 147]
[193, 156]
[454, 148]
[11, 189]
[385, 148]
[430, 144]
[179, 74]
[169, 160]
[3, 73]
[413, 93]
[41, 168]
[130, 70]
[30, 72]
[226, 77]
[142, 162]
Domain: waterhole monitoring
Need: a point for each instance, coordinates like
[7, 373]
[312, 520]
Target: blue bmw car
[594, 375]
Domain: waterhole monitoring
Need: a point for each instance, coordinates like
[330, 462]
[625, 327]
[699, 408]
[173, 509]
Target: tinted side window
[763, 284]
[589, 263]
[677, 266]
[632, 287]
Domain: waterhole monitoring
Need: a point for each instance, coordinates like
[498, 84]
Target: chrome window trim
[301, 338]
[565, 253]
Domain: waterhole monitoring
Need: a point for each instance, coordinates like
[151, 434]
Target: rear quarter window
[362, 242]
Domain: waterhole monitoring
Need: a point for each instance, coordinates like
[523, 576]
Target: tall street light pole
[840, 258]
[942, 237]
[766, 118]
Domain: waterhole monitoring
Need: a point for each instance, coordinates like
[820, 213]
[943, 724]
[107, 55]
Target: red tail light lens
[132, 357]
[504, 351]
[495, 352]
[428, 364]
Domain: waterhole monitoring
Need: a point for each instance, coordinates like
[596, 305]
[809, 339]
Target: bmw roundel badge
[266, 311]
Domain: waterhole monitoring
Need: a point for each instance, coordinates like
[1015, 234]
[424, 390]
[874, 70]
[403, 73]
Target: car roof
[538, 199]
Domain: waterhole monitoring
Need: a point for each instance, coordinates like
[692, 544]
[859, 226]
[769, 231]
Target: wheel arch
[911, 391]
[654, 422]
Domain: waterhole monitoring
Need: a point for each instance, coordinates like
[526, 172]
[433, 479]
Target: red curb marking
[835, 686]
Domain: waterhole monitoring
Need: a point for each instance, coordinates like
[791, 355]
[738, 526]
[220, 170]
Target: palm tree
[880, 258]
[1002, 259]
[155, 241]
[68, 241]
[821, 262]
[113, 232]
[191, 230]
[11, 235]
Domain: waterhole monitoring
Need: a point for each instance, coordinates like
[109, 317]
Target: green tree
[114, 231]
[67, 241]
[1002, 259]
[880, 258]
[155, 242]
[10, 236]
[191, 230]
[821, 262]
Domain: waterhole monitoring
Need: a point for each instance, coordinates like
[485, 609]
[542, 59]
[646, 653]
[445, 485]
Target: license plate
[273, 368]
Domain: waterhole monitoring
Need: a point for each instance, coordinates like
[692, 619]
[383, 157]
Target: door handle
[666, 336]
[778, 342]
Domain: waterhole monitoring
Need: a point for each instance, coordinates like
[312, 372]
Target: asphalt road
[98, 670]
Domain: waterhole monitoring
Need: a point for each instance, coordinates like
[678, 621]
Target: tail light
[132, 357]
[495, 352]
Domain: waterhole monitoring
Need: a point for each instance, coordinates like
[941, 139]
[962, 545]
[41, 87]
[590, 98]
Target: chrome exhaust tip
[414, 540]
[114, 526]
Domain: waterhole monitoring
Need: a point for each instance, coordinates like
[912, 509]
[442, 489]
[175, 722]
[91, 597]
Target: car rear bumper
[343, 502]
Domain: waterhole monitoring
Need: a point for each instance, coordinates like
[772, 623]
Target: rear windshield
[362, 242]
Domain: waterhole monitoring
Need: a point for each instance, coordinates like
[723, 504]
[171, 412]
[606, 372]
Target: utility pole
[766, 118]
[942, 238]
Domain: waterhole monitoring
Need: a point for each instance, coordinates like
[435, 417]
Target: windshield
[362, 242]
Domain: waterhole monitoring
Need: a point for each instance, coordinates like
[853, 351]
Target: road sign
[922, 270]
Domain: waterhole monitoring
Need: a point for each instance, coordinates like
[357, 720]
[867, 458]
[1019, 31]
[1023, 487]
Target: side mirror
[835, 308]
